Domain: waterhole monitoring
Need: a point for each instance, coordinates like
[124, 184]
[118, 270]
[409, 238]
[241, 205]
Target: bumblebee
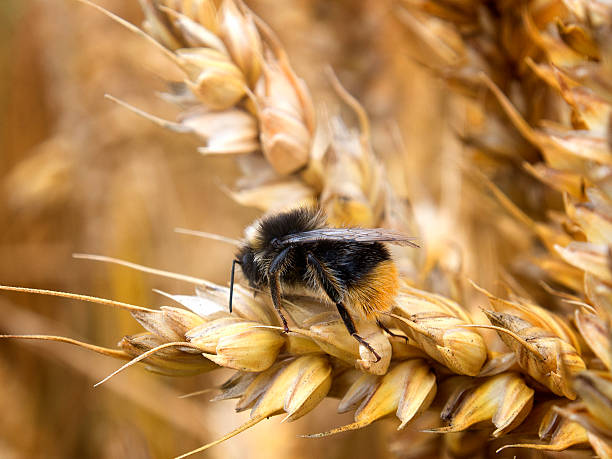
[295, 251]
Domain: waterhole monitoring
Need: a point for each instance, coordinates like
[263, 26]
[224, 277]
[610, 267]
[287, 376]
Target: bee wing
[351, 235]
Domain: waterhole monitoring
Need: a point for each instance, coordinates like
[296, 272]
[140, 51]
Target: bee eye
[246, 260]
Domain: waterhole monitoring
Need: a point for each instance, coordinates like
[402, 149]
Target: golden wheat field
[130, 131]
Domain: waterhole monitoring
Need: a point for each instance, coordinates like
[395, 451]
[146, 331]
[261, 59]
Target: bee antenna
[234, 263]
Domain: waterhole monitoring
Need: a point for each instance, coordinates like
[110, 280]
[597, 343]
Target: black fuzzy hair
[291, 222]
[275, 227]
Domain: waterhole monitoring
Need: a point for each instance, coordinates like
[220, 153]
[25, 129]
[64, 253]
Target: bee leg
[328, 285]
[367, 345]
[350, 326]
[274, 273]
[389, 332]
[276, 299]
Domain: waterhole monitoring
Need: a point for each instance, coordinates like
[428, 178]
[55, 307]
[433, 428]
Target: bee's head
[256, 254]
[246, 258]
[262, 238]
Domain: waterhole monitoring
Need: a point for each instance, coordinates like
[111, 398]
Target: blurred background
[80, 174]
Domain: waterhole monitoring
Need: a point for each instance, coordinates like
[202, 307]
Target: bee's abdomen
[354, 261]
[376, 291]
[366, 271]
